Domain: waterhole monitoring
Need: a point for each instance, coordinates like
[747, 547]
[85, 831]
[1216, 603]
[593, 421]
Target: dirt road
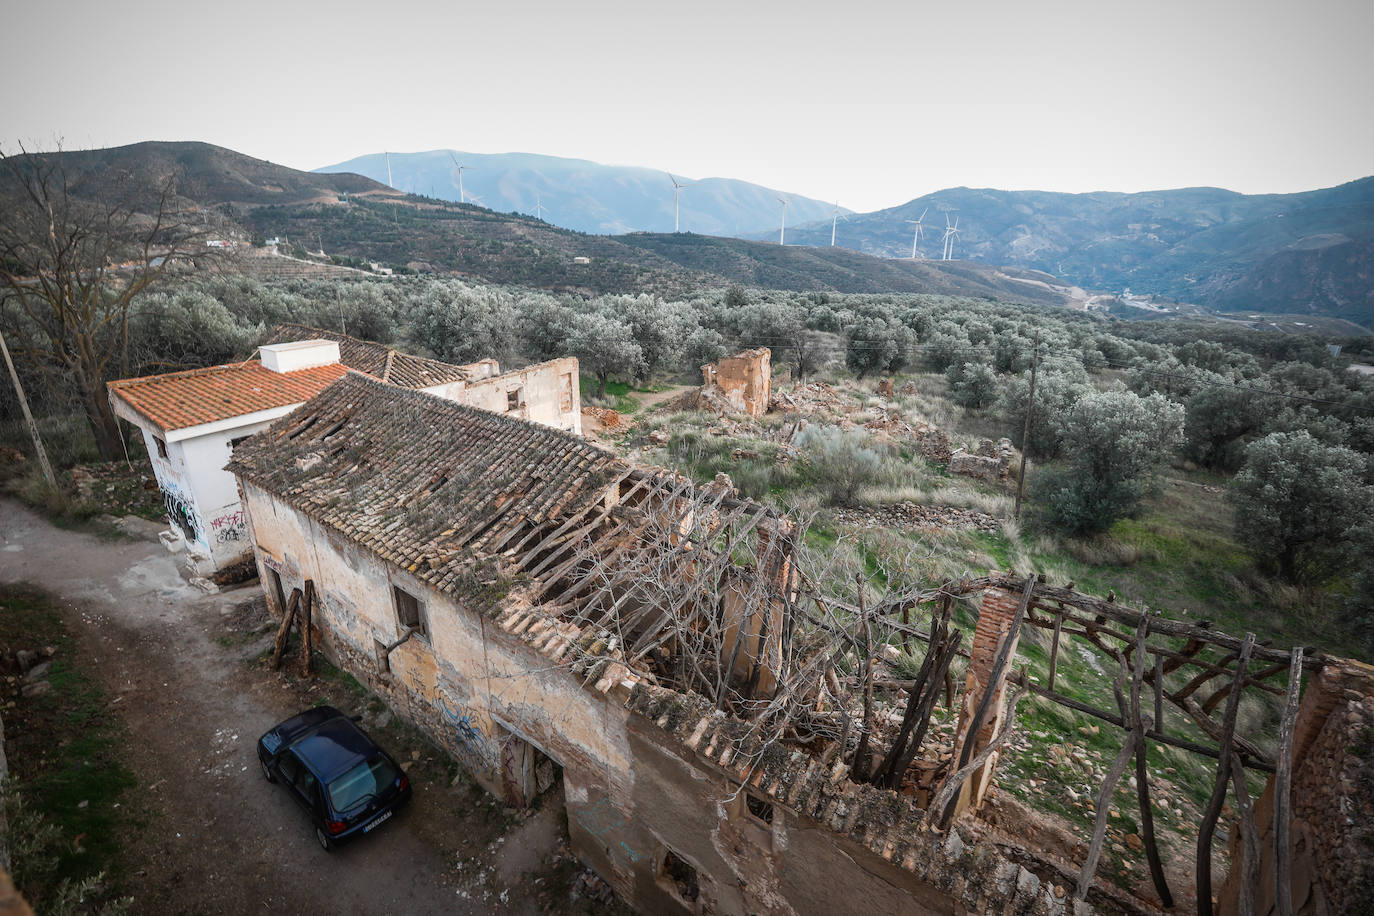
[209, 835]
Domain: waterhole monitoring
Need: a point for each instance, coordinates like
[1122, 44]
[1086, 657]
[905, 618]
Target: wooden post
[1054, 648]
[1209, 818]
[1025, 430]
[28, 418]
[1140, 725]
[1283, 787]
[860, 768]
[307, 636]
[284, 629]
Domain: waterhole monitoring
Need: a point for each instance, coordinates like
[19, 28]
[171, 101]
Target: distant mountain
[588, 196]
[1308, 253]
[208, 174]
[357, 220]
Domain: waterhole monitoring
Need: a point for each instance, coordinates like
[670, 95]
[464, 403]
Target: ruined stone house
[547, 392]
[507, 551]
[742, 383]
[191, 420]
[556, 617]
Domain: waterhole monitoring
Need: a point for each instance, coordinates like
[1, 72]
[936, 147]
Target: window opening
[759, 809]
[513, 398]
[161, 447]
[681, 876]
[408, 610]
[235, 443]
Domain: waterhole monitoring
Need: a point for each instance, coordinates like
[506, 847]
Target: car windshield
[361, 783]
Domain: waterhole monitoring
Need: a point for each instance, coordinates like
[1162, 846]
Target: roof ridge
[181, 373]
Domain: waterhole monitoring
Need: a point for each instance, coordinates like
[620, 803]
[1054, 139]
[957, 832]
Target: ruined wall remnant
[1331, 832]
[742, 383]
[995, 618]
[987, 462]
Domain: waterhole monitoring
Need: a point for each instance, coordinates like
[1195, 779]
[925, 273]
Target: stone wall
[1332, 819]
[742, 383]
[547, 393]
[987, 462]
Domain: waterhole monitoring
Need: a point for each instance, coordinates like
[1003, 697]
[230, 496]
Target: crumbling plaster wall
[468, 684]
[546, 393]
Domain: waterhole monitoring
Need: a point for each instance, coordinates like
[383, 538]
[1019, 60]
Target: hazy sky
[873, 103]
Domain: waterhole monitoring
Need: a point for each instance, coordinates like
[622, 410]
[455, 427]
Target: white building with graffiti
[191, 422]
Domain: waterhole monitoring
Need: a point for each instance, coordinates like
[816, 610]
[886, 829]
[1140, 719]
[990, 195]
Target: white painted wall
[547, 393]
[192, 478]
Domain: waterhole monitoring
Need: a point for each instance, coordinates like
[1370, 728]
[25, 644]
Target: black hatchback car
[338, 774]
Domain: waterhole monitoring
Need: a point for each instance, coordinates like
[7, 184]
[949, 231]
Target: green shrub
[841, 461]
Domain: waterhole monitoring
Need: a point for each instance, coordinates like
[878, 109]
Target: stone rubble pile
[910, 516]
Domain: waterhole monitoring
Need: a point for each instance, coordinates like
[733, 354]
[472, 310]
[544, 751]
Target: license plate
[376, 822]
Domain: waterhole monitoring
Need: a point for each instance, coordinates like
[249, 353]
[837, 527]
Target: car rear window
[361, 783]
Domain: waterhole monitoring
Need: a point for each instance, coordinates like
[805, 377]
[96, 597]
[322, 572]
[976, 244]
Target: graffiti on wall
[181, 511]
[471, 741]
[228, 528]
[606, 822]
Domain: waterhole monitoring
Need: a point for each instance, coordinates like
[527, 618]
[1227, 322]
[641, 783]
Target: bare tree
[72, 258]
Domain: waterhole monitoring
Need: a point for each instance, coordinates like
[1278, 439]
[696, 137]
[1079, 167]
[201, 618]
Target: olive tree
[972, 384]
[1115, 444]
[1299, 504]
[604, 347]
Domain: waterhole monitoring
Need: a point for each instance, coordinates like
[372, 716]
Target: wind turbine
[539, 207]
[462, 197]
[916, 237]
[950, 233]
[835, 221]
[782, 229]
[677, 190]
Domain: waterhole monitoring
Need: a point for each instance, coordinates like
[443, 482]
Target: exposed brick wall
[994, 622]
[742, 383]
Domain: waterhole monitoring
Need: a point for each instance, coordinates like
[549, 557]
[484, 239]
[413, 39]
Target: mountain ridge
[1300, 252]
[588, 196]
[357, 220]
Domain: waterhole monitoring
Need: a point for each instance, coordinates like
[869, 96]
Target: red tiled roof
[178, 400]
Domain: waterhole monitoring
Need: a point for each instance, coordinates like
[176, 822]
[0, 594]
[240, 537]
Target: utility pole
[1025, 430]
[338, 299]
[28, 417]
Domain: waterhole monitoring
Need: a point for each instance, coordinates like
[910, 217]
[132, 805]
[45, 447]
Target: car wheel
[266, 771]
[325, 842]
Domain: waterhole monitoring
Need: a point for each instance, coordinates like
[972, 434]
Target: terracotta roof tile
[377, 360]
[424, 482]
[177, 400]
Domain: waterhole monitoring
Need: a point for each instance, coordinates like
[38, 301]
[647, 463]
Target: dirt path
[215, 838]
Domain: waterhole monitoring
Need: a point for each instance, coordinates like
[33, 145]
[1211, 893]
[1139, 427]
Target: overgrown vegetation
[67, 779]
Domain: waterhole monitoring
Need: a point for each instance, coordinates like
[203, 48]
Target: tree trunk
[601, 384]
[109, 439]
